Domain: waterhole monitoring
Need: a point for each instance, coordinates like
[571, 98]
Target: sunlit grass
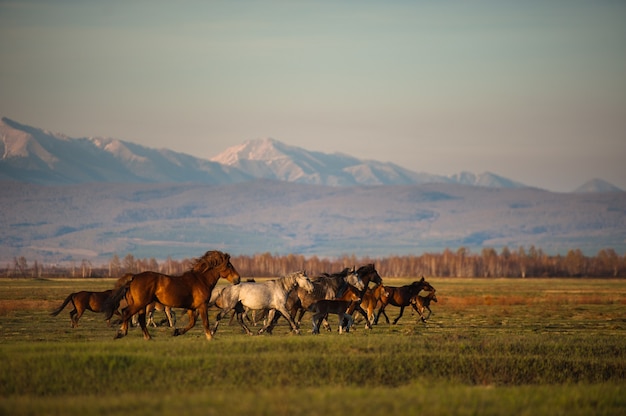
[553, 346]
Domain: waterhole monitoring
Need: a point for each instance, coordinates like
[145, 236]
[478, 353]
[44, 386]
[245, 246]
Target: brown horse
[401, 297]
[372, 298]
[169, 313]
[85, 301]
[191, 291]
[423, 302]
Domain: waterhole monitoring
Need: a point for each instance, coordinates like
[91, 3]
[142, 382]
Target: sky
[534, 90]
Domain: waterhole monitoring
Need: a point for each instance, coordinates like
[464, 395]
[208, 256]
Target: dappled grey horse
[271, 295]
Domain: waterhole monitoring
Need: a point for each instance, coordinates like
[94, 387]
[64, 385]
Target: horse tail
[113, 302]
[60, 308]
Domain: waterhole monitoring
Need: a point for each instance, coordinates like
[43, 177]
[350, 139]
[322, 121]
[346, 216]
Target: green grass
[514, 346]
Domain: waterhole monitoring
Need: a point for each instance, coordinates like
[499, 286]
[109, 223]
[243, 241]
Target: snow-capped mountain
[486, 179]
[597, 185]
[34, 155]
[270, 159]
[30, 154]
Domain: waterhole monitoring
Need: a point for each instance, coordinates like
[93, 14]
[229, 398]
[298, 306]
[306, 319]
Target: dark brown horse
[191, 291]
[343, 307]
[85, 301]
[401, 297]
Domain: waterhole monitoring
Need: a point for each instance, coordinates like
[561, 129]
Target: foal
[343, 308]
[420, 303]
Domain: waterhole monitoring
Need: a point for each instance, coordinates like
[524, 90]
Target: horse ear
[422, 279]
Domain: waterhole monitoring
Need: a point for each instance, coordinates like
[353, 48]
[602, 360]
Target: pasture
[492, 346]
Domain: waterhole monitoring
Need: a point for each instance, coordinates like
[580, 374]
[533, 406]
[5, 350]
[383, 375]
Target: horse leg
[171, 316]
[79, 313]
[399, 316]
[240, 319]
[204, 314]
[419, 312]
[282, 309]
[150, 316]
[271, 316]
[218, 318]
[350, 322]
[340, 316]
[73, 319]
[149, 311]
[345, 316]
[142, 323]
[317, 320]
[126, 316]
[300, 314]
[192, 322]
[381, 311]
[359, 309]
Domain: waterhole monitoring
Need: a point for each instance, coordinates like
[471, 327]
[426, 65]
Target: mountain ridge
[35, 155]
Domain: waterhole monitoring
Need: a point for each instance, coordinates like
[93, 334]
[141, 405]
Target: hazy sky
[531, 90]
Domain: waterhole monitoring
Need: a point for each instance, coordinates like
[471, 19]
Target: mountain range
[65, 200]
[34, 155]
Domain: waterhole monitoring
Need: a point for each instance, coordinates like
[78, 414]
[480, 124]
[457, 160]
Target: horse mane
[288, 280]
[123, 280]
[366, 269]
[211, 259]
[341, 274]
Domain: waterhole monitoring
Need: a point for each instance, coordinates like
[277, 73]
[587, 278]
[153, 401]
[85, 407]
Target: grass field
[492, 346]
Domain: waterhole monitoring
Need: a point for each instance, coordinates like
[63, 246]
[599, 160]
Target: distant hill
[83, 221]
[597, 185]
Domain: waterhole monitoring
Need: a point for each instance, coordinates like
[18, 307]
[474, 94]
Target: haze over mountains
[67, 199]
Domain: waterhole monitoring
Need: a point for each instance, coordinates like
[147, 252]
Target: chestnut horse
[191, 291]
[85, 301]
[372, 298]
[401, 297]
[169, 313]
[423, 302]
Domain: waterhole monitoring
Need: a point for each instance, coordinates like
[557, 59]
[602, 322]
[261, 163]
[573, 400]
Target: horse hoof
[176, 333]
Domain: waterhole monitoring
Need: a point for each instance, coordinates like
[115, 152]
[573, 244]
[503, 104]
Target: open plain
[492, 346]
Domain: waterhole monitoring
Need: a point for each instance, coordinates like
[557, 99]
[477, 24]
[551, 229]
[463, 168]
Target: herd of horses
[345, 293]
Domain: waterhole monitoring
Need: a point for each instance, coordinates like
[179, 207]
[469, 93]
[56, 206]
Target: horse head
[383, 293]
[354, 279]
[370, 274]
[422, 284]
[303, 281]
[220, 262]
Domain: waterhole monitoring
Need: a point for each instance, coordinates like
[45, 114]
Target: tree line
[523, 262]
